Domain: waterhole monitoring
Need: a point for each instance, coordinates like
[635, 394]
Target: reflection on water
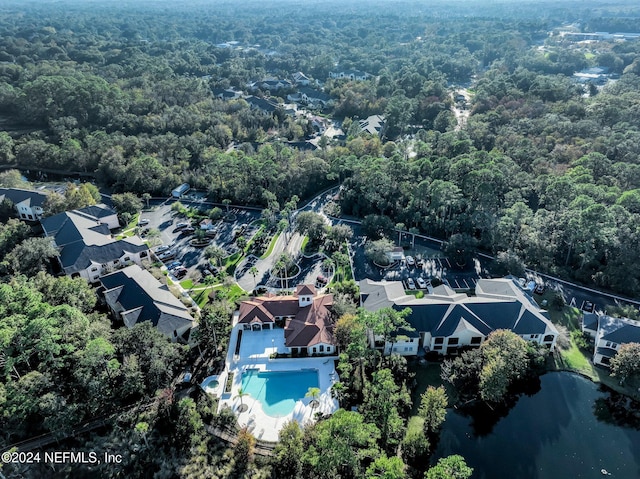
[569, 428]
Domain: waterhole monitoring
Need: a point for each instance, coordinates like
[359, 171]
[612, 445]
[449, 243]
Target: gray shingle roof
[141, 297]
[17, 195]
[82, 241]
[502, 308]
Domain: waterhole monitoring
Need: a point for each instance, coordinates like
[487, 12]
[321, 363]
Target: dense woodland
[545, 172]
[546, 169]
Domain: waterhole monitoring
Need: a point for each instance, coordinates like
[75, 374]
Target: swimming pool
[278, 391]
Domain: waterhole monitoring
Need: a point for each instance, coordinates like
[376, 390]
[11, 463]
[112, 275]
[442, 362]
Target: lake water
[551, 434]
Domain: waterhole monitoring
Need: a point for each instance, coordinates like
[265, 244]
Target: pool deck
[255, 349]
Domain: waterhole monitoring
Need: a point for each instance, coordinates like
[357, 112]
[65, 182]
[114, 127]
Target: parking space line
[465, 282]
[447, 260]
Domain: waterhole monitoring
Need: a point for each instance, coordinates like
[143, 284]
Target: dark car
[588, 307]
[540, 288]
[321, 279]
[180, 273]
[188, 230]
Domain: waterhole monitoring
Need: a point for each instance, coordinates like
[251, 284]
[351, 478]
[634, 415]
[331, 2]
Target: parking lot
[192, 258]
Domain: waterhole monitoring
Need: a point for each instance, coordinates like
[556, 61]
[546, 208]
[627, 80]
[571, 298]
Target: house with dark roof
[265, 106]
[310, 96]
[133, 296]
[101, 214]
[610, 334]
[306, 318]
[226, 94]
[445, 321]
[28, 203]
[85, 246]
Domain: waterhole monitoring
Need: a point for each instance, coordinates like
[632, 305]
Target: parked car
[321, 279]
[411, 284]
[169, 254]
[420, 262]
[180, 272]
[188, 230]
[539, 289]
[422, 284]
[410, 261]
[206, 272]
[163, 248]
[143, 222]
[174, 265]
[588, 307]
[182, 225]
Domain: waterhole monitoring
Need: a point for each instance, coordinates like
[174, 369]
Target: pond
[569, 428]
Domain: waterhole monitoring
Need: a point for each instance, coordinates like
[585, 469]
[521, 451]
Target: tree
[626, 363]
[243, 452]
[313, 393]
[387, 468]
[215, 253]
[126, 203]
[287, 455]
[504, 360]
[339, 446]
[311, 224]
[377, 251]
[75, 292]
[460, 248]
[415, 445]
[253, 271]
[451, 467]
[337, 235]
[31, 256]
[383, 401]
[11, 178]
[433, 408]
[387, 323]
[240, 394]
[508, 262]
[146, 197]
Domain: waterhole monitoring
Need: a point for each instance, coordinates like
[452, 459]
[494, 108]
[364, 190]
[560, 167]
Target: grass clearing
[271, 246]
[187, 283]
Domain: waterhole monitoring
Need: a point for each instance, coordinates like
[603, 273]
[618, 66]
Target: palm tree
[253, 271]
[146, 197]
[226, 202]
[313, 393]
[241, 393]
[215, 253]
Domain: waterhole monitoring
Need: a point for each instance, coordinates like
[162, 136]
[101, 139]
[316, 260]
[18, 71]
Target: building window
[30, 217]
[437, 347]
[143, 254]
[115, 262]
[549, 338]
[453, 341]
[321, 349]
[314, 350]
[534, 336]
[94, 268]
[439, 341]
[126, 258]
[476, 340]
[328, 349]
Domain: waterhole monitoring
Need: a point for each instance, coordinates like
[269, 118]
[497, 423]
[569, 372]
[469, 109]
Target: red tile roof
[307, 326]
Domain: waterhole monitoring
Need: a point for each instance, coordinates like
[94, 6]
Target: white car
[422, 284]
[143, 222]
[410, 261]
[164, 247]
[411, 284]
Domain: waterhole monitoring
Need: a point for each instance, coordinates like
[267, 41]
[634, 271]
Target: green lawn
[187, 283]
[271, 246]
[304, 243]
